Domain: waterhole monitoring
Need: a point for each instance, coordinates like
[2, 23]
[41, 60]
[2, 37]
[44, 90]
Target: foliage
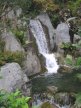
[54, 19]
[24, 4]
[74, 6]
[68, 47]
[68, 60]
[46, 5]
[79, 31]
[78, 100]
[78, 61]
[19, 35]
[8, 57]
[13, 100]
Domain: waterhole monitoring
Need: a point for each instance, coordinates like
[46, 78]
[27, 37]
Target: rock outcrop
[32, 63]
[11, 43]
[62, 98]
[12, 77]
[45, 20]
[62, 34]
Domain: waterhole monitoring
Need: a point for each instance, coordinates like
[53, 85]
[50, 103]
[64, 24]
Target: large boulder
[62, 34]
[44, 18]
[52, 89]
[11, 43]
[12, 77]
[32, 63]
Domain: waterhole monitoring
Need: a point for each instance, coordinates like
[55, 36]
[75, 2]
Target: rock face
[77, 38]
[62, 34]
[12, 77]
[32, 63]
[65, 69]
[11, 43]
[44, 18]
[62, 98]
[52, 89]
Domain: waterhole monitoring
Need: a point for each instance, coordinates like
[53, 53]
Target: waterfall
[38, 32]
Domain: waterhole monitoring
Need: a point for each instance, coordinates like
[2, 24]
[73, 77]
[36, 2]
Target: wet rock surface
[44, 18]
[32, 63]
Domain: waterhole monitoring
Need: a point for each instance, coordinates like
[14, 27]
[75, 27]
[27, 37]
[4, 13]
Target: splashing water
[38, 32]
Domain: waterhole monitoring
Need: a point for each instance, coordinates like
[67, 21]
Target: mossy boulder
[48, 105]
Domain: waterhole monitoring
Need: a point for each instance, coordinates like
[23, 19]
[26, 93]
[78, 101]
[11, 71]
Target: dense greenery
[13, 100]
[19, 35]
[8, 57]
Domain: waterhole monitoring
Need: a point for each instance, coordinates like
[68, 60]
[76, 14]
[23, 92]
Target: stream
[64, 82]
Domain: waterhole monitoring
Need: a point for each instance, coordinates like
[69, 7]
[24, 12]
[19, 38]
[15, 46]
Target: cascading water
[38, 32]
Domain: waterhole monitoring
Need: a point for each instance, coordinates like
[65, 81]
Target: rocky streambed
[56, 89]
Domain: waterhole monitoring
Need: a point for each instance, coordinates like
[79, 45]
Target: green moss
[47, 105]
[19, 35]
[8, 57]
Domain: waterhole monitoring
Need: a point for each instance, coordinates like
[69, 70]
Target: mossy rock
[48, 105]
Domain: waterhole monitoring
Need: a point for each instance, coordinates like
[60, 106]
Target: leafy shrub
[54, 19]
[45, 5]
[20, 35]
[68, 48]
[13, 100]
[78, 61]
[74, 5]
[69, 60]
[78, 101]
[7, 57]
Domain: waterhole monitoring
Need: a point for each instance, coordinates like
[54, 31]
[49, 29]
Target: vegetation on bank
[9, 57]
[13, 100]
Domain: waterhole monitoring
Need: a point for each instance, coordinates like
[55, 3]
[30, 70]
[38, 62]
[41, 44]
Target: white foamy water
[38, 32]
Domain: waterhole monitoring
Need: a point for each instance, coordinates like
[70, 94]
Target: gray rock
[62, 98]
[77, 38]
[12, 14]
[11, 43]
[18, 12]
[65, 69]
[44, 18]
[12, 77]
[62, 34]
[52, 89]
[32, 63]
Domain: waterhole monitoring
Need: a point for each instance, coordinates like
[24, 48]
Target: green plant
[78, 61]
[78, 100]
[8, 57]
[45, 5]
[79, 31]
[20, 35]
[68, 60]
[68, 48]
[13, 100]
